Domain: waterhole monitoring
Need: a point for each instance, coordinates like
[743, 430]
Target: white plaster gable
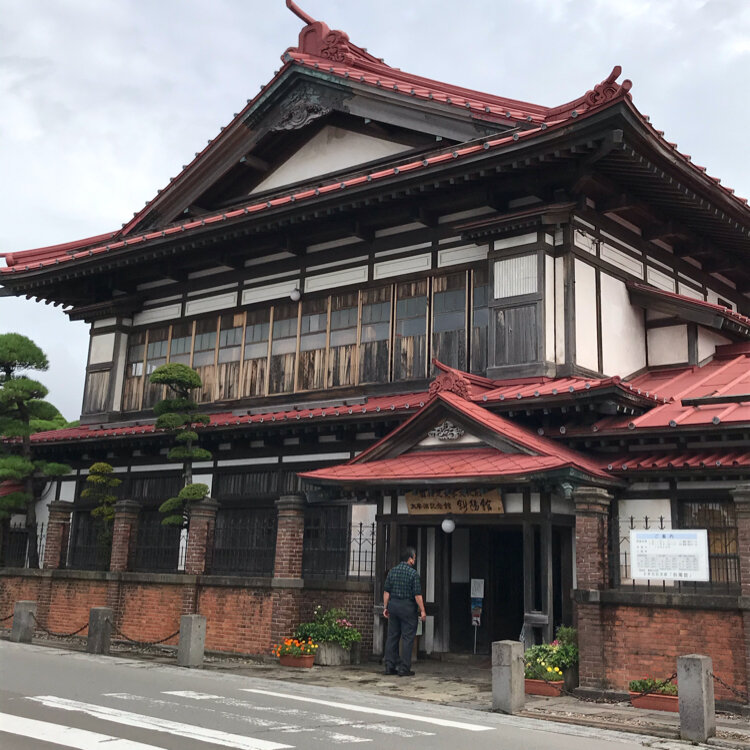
[333, 149]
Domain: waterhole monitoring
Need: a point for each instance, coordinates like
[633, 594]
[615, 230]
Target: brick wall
[646, 641]
[357, 604]
[150, 611]
[70, 602]
[238, 620]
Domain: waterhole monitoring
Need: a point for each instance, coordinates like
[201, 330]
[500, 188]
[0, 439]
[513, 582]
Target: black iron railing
[15, 545]
[338, 550]
[159, 548]
[244, 541]
[90, 544]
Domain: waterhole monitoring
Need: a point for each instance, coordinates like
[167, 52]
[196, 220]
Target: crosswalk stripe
[379, 711]
[57, 734]
[389, 729]
[158, 724]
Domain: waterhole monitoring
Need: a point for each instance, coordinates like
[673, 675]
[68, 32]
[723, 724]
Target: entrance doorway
[495, 555]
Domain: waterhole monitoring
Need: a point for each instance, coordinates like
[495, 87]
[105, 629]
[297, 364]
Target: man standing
[402, 597]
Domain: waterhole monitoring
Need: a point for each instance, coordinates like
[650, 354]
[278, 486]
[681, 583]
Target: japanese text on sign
[459, 502]
[670, 554]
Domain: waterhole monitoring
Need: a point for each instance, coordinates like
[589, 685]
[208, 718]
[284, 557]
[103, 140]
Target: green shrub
[331, 626]
[652, 685]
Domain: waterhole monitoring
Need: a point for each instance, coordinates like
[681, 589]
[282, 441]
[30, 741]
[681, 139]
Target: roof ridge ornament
[450, 382]
[299, 12]
[608, 89]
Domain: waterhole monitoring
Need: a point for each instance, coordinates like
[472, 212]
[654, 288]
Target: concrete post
[192, 641]
[741, 497]
[696, 697]
[507, 677]
[23, 622]
[100, 630]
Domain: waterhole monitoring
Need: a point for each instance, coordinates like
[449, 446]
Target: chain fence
[744, 697]
[4, 619]
[142, 644]
[655, 688]
[57, 635]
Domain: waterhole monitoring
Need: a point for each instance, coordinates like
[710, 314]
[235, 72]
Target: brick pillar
[592, 532]
[57, 534]
[741, 497]
[200, 542]
[287, 576]
[124, 530]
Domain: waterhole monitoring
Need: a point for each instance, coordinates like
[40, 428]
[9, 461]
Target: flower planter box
[655, 701]
[304, 662]
[551, 688]
[331, 654]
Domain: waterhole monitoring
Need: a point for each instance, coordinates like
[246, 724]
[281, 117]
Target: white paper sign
[670, 554]
[477, 588]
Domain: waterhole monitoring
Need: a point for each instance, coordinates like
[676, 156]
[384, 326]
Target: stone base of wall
[643, 634]
[239, 611]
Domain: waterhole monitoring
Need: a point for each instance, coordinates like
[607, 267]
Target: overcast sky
[102, 101]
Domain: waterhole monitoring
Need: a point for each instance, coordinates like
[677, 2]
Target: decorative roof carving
[337, 48]
[301, 108]
[451, 382]
[446, 430]
[608, 89]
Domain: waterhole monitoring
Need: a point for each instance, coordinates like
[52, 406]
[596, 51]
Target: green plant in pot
[335, 634]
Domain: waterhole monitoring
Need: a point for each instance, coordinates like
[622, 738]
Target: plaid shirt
[402, 582]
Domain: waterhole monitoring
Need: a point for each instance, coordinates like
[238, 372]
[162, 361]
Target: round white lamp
[448, 525]
[294, 295]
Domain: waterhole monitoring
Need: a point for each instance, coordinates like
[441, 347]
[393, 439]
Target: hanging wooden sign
[454, 502]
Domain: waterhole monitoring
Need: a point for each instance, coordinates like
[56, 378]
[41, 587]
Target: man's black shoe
[407, 673]
[390, 670]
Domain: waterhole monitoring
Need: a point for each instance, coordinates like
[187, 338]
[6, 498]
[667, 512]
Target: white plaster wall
[668, 345]
[549, 308]
[331, 150]
[623, 330]
[708, 341]
[559, 311]
[586, 336]
[102, 348]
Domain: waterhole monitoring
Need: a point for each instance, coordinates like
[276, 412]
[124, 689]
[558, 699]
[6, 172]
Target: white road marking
[379, 711]
[57, 734]
[388, 729]
[160, 725]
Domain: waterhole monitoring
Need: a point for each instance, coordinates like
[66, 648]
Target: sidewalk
[464, 682]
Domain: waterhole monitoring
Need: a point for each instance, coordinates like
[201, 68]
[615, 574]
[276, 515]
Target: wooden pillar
[529, 569]
[546, 565]
[592, 533]
[741, 497]
[287, 576]
[55, 547]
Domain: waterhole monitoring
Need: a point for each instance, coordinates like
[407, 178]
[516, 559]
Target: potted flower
[649, 692]
[293, 652]
[542, 675]
[565, 655]
[334, 633]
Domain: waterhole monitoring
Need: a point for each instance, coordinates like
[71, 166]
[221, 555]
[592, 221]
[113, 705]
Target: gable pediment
[331, 149]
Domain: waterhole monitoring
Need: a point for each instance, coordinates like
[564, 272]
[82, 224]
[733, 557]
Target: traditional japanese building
[505, 333]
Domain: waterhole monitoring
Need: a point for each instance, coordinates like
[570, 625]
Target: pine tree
[23, 412]
[100, 486]
[180, 416]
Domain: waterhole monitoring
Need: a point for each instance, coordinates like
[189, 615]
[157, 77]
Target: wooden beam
[254, 162]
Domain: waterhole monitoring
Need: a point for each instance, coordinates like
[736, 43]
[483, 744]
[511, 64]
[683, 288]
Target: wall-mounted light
[295, 294]
[448, 525]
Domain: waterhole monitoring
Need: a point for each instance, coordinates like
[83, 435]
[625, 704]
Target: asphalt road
[51, 698]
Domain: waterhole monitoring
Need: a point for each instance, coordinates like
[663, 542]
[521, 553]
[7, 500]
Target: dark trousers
[402, 626]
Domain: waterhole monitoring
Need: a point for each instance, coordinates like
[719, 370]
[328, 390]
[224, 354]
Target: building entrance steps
[463, 680]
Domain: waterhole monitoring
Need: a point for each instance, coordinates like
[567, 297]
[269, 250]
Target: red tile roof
[727, 374]
[382, 404]
[8, 488]
[441, 464]
[331, 52]
[629, 463]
